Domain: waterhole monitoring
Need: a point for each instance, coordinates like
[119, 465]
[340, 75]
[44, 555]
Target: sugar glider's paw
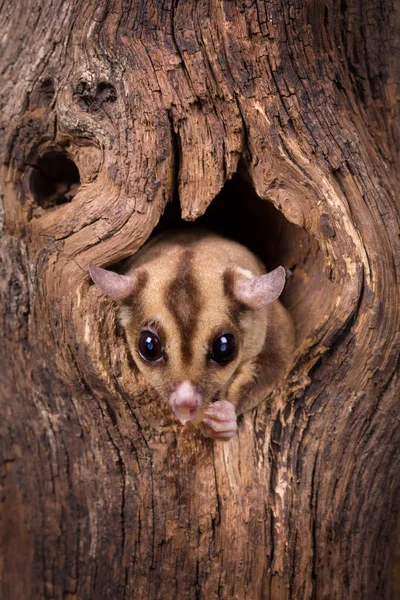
[220, 420]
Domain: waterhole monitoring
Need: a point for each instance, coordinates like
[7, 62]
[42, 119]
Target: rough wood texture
[103, 496]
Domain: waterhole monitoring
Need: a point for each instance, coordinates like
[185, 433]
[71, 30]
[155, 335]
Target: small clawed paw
[220, 420]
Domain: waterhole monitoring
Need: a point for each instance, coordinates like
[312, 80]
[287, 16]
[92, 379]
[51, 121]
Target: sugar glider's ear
[256, 292]
[118, 287]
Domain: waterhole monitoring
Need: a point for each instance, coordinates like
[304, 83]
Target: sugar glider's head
[193, 310]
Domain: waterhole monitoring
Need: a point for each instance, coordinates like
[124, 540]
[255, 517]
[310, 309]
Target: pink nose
[185, 401]
[186, 396]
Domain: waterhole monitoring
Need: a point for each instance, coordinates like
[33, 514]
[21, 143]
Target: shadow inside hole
[54, 180]
[240, 214]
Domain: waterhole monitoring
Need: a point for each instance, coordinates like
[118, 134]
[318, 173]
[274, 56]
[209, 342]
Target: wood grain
[103, 494]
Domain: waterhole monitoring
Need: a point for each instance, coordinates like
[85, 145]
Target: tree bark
[103, 495]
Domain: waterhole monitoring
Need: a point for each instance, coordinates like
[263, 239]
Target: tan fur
[184, 301]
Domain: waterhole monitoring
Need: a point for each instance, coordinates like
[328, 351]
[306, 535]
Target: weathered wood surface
[103, 496]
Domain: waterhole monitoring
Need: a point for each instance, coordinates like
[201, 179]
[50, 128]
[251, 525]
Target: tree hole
[55, 179]
[47, 88]
[238, 213]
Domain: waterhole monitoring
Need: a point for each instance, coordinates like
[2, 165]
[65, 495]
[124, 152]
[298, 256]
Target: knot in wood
[92, 97]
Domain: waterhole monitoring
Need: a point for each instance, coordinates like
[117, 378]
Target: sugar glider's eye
[223, 349]
[150, 348]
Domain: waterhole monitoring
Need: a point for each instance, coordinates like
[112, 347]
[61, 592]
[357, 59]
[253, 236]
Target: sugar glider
[203, 325]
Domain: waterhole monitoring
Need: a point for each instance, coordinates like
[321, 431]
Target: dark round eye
[224, 349]
[150, 348]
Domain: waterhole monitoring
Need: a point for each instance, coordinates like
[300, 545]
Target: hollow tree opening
[238, 213]
[54, 179]
[103, 496]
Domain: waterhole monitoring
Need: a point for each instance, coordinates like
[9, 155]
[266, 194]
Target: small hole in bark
[106, 91]
[326, 18]
[54, 180]
[92, 97]
[47, 88]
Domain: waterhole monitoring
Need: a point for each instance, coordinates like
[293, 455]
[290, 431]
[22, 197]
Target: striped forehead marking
[183, 302]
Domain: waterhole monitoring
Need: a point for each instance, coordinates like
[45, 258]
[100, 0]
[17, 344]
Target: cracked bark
[102, 495]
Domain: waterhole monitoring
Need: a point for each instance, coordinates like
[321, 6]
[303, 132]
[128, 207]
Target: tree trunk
[109, 111]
